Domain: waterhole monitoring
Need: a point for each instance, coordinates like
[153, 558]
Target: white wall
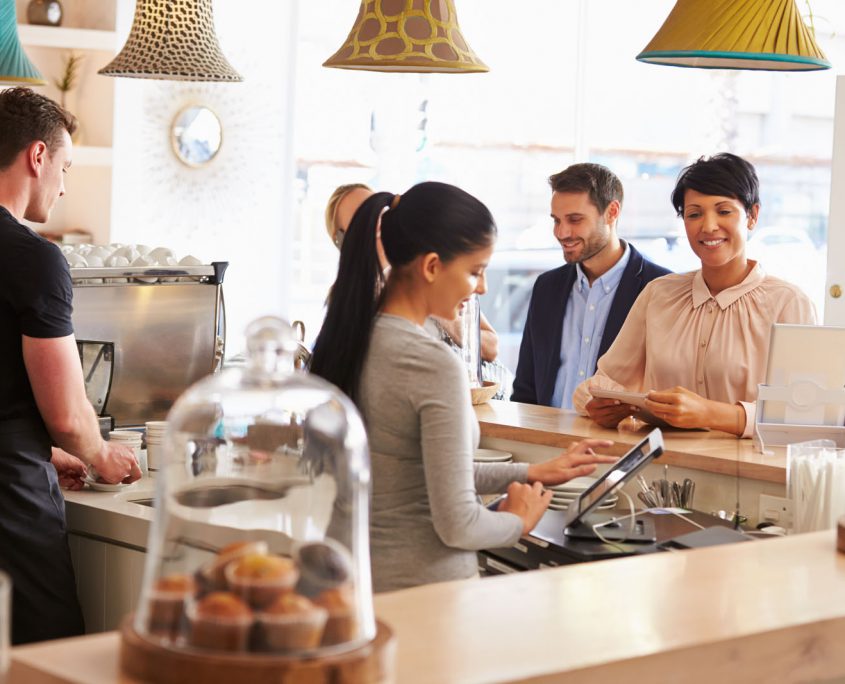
[239, 207]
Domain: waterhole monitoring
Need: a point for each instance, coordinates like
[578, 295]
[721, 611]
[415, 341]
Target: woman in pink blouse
[698, 342]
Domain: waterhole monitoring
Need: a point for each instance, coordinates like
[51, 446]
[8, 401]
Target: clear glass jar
[470, 319]
[260, 538]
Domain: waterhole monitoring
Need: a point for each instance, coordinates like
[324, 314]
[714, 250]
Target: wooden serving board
[144, 661]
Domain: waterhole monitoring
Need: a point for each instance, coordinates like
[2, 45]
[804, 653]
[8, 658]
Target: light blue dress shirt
[583, 327]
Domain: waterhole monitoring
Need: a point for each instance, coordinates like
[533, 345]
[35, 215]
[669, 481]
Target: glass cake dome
[260, 537]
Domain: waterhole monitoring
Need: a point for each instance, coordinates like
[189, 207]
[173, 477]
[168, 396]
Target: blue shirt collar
[609, 280]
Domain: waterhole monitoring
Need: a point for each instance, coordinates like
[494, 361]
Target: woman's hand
[683, 408]
[608, 412]
[578, 460]
[529, 502]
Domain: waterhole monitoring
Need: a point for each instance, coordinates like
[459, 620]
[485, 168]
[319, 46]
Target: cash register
[581, 533]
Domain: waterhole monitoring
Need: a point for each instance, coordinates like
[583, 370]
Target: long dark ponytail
[430, 217]
[341, 346]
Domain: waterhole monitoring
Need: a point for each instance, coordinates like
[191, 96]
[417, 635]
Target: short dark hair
[26, 116]
[599, 182]
[723, 175]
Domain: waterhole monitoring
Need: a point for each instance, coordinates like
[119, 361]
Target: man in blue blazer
[576, 310]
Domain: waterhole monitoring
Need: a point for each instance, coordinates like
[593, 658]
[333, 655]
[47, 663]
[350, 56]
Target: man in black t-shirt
[42, 393]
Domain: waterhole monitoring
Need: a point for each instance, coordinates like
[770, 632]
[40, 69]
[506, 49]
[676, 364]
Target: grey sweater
[426, 521]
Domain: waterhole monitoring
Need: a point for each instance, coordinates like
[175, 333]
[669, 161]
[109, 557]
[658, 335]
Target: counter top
[707, 450]
[770, 610]
[112, 516]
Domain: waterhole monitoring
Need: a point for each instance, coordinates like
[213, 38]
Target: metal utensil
[677, 498]
[688, 492]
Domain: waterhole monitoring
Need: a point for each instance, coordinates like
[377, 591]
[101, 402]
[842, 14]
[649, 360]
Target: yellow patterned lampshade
[407, 35]
[15, 67]
[173, 40]
[767, 35]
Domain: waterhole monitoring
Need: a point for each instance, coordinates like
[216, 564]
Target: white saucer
[105, 487]
[492, 456]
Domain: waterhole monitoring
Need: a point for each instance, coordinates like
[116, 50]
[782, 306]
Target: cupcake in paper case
[342, 625]
[212, 577]
[167, 605]
[260, 579]
[322, 565]
[291, 623]
[220, 621]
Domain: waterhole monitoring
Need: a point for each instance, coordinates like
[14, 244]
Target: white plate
[571, 496]
[492, 456]
[579, 484]
[104, 487]
[563, 507]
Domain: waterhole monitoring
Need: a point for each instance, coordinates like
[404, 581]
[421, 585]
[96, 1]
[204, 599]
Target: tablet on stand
[579, 524]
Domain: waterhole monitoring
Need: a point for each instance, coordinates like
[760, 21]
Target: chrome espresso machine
[145, 334]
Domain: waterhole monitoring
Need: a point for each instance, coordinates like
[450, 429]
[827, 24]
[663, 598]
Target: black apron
[33, 536]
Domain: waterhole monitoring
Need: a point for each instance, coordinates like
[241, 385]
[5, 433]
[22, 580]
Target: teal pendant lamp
[15, 67]
[760, 35]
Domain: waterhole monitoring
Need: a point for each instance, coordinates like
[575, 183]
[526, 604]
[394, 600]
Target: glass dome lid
[260, 537]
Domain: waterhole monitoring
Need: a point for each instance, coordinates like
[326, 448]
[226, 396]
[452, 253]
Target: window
[564, 86]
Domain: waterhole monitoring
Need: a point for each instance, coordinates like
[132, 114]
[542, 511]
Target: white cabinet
[108, 580]
[87, 29]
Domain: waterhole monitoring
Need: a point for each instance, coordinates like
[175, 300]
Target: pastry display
[246, 599]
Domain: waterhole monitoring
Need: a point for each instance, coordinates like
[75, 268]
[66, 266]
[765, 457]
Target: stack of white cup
[156, 432]
[129, 438]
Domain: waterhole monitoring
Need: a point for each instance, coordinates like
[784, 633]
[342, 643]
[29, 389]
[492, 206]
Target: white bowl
[143, 262]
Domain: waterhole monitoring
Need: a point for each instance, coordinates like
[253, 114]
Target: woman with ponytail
[413, 392]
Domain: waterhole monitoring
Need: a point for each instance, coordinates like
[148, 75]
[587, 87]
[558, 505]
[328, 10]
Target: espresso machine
[145, 334]
[97, 359]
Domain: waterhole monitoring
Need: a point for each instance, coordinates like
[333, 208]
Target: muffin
[260, 579]
[322, 565]
[212, 576]
[342, 625]
[291, 623]
[167, 604]
[220, 621]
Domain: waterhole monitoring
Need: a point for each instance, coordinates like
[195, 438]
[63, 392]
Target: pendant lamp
[766, 35]
[173, 40]
[407, 35]
[15, 67]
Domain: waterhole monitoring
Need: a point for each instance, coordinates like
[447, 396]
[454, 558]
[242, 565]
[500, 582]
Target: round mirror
[196, 135]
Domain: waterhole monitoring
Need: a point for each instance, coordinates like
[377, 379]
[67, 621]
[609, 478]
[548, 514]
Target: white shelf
[91, 156]
[72, 38]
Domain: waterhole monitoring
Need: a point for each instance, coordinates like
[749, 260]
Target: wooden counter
[766, 611]
[709, 451]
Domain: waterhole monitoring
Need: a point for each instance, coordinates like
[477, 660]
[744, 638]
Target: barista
[42, 393]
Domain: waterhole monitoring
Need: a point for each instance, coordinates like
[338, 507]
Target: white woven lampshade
[407, 35]
[172, 40]
[15, 67]
[767, 35]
